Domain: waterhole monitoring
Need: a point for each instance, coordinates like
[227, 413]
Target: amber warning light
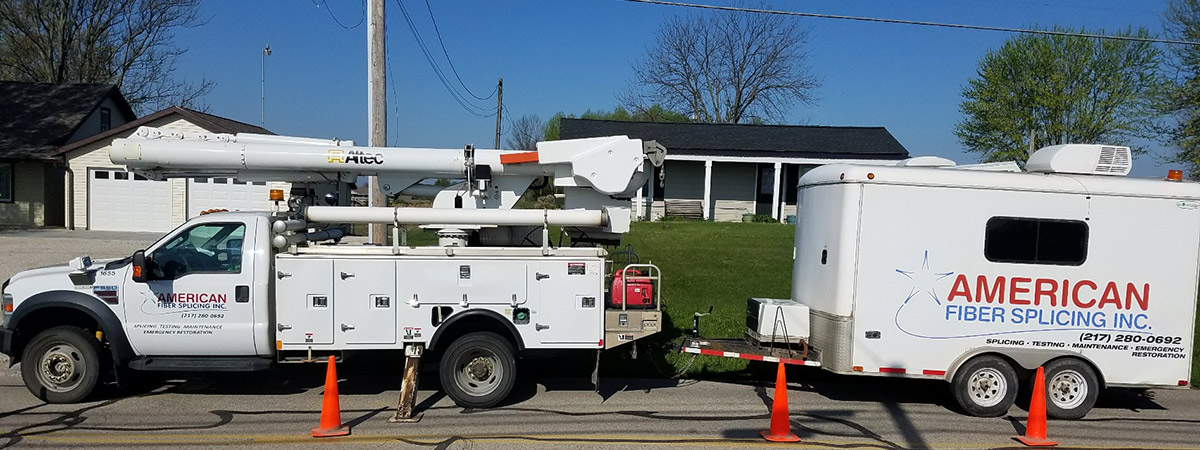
[277, 194]
[1174, 175]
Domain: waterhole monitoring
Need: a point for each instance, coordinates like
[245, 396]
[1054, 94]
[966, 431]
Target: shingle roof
[770, 141]
[215, 124]
[37, 118]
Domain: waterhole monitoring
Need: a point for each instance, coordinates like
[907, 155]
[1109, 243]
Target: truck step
[199, 364]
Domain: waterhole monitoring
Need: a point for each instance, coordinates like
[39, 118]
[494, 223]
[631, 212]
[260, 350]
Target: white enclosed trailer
[977, 277]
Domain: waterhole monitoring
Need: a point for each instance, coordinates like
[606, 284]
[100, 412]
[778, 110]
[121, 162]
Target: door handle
[347, 327]
[281, 274]
[346, 275]
[541, 276]
[282, 327]
[540, 327]
[241, 294]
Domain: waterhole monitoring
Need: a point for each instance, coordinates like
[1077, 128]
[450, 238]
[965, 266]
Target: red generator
[635, 294]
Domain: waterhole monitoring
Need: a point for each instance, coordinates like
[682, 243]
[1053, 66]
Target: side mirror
[141, 272]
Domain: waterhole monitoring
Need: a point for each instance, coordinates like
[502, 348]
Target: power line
[457, 96]
[444, 52]
[921, 23]
[339, 22]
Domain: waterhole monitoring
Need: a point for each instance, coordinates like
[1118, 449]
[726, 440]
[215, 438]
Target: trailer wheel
[478, 370]
[1071, 388]
[985, 386]
[61, 365]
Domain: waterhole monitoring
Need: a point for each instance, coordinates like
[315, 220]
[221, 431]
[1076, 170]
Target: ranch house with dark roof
[723, 171]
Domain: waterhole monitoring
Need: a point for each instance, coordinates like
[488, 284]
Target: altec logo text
[1081, 294]
[354, 157]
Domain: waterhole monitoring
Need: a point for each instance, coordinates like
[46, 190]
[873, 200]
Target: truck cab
[201, 290]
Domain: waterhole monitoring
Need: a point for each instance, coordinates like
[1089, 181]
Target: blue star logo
[924, 280]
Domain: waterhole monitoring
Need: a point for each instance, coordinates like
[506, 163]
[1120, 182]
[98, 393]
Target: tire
[985, 386]
[478, 370]
[62, 365]
[1072, 388]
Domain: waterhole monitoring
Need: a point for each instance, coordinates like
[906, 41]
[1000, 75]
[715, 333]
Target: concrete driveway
[30, 248]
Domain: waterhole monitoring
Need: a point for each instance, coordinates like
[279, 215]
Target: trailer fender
[1025, 358]
[34, 315]
[476, 320]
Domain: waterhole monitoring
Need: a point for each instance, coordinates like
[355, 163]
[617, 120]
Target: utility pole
[1032, 142]
[376, 105]
[263, 87]
[499, 108]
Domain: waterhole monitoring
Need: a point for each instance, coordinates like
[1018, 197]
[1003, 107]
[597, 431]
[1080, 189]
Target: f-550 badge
[354, 157]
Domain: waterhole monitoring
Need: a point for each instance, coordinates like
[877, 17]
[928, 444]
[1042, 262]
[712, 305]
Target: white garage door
[227, 193]
[122, 201]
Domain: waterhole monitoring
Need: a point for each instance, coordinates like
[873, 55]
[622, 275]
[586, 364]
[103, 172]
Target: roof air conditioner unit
[1082, 159]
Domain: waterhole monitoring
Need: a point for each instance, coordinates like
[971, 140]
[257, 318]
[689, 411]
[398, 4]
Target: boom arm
[595, 173]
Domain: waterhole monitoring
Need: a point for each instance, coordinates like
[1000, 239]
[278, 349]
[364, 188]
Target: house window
[6, 182]
[105, 119]
[1036, 241]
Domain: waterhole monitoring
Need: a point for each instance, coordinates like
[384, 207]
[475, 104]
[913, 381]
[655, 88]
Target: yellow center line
[547, 439]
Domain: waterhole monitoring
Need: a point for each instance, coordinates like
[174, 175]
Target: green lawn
[714, 264]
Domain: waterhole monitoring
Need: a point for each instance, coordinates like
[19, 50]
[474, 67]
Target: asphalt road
[278, 407]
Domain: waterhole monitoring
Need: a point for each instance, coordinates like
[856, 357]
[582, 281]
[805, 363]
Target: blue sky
[575, 55]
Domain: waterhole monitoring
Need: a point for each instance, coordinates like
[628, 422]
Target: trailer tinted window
[1036, 241]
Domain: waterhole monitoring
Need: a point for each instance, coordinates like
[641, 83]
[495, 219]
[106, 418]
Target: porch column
[775, 193]
[707, 189]
[650, 197]
[638, 201]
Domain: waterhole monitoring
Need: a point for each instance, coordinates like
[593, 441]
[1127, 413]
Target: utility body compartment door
[365, 301]
[458, 281]
[304, 301]
[570, 307]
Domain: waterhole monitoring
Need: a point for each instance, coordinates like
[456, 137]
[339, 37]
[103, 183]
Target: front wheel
[985, 386]
[61, 365]
[1071, 388]
[478, 370]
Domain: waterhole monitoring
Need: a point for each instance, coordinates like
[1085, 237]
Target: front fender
[92, 306]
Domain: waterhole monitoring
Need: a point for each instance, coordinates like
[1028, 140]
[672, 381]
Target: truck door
[198, 300]
[571, 302]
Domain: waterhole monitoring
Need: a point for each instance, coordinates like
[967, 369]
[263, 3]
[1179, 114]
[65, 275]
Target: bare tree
[525, 134]
[725, 67]
[123, 42]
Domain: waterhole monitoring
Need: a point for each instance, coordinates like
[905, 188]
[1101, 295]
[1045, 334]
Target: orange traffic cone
[1035, 429]
[331, 413]
[781, 427]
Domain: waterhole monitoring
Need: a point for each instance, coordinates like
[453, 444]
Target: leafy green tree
[1060, 89]
[1182, 22]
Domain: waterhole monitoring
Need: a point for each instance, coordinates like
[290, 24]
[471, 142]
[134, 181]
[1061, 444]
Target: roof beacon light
[1174, 175]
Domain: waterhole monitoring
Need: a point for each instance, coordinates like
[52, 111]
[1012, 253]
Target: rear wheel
[478, 370]
[1071, 388]
[985, 386]
[62, 365]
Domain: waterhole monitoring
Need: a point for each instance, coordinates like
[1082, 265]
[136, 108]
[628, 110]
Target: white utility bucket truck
[977, 275]
[238, 291]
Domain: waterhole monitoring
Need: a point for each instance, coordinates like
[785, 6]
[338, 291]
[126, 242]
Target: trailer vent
[1082, 159]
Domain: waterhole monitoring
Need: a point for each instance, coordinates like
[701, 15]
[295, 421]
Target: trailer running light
[278, 345]
[601, 345]
[856, 368]
[1174, 175]
[870, 175]
[1183, 382]
[277, 194]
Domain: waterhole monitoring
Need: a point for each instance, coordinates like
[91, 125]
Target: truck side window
[1036, 241]
[210, 248]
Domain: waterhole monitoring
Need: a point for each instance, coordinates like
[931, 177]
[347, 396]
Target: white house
[103, 196]
[723, 171]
